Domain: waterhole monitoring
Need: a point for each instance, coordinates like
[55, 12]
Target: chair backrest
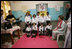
[65, 29]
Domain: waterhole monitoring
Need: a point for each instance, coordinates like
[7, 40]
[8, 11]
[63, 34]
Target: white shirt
[41, 28]
[69, 20]
[42, 19]
[34, 27]
[28, 29]
[48, 18]
[34, 20]
[27, 19]
[48, 27]
[38, 17]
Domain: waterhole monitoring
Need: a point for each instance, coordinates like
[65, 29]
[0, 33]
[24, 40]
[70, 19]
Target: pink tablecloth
[13, 29]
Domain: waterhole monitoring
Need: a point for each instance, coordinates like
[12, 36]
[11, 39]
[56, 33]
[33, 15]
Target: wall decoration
[42, 8]
[57, 7]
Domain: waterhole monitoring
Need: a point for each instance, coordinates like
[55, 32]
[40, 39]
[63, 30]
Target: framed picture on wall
[42, 7]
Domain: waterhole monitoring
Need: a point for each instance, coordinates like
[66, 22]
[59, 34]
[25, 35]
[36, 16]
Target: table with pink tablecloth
[13, 29]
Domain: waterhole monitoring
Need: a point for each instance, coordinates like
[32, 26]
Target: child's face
[47, 14]
[29, 26]
[49, 24]
[27, 14]
[34, 24]
[42, 15]
[37, 13]
[34, 16]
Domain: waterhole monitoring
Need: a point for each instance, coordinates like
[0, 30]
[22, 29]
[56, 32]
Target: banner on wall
[57, 7]
[42, 7]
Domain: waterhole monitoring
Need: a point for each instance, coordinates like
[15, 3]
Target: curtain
[5, 6]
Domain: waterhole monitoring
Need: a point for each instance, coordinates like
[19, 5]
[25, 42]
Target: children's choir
[38, 25]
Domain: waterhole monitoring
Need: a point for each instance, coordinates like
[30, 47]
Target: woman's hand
[54, 30]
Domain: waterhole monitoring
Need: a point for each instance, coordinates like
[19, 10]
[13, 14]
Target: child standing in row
[34, 19]
[48, 18]
[27, 21]
[38, 19]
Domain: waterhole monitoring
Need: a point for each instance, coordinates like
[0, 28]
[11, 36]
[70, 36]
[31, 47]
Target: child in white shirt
[41, 29]
[34, 30]
[48, 29]
[27, 21]
[38, 19]
[28, 30]
[34, 19]
[48, 18]
[43, 19]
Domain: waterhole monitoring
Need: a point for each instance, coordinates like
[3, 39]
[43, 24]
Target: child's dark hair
[34, 23]
[49, 23]
[38, 12]
[47, 12]
[28, 24]
[34, 15]
[41, 24]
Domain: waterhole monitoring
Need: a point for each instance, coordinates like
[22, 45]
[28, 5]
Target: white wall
[24, 5]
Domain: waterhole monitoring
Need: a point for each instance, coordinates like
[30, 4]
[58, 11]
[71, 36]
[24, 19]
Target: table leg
[12, 38]
[18, 33]
[3, 38]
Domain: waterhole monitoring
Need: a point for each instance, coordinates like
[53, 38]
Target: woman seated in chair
[60, 27]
